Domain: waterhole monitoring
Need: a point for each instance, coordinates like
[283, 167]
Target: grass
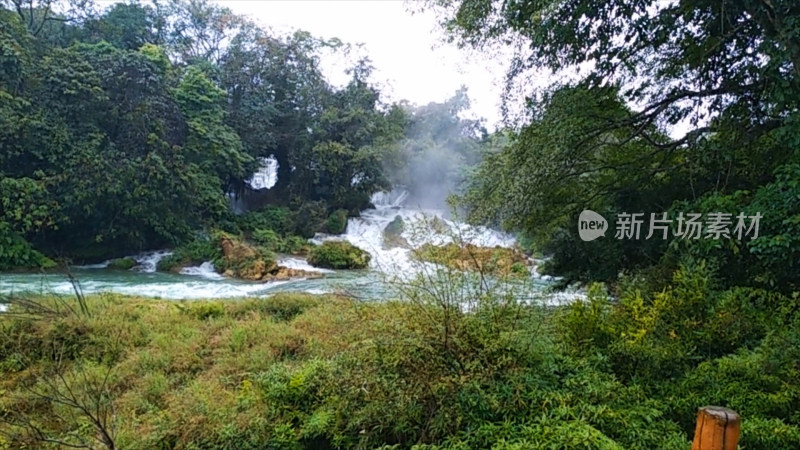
[304, 371]
[182, 371]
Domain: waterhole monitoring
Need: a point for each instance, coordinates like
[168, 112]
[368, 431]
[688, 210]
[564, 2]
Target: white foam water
[420, 227]
[147, 262]
[101, 265]
[205, 270]
[366, 232]
[296, 263]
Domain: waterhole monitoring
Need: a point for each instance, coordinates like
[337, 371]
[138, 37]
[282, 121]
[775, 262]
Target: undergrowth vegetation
[500, 261]
[338, 255]
[302, 371]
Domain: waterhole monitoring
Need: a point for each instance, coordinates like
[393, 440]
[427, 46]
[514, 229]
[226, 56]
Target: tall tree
[727, 73]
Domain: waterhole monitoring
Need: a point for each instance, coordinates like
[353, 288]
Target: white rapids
[388, 264]
[420, 227]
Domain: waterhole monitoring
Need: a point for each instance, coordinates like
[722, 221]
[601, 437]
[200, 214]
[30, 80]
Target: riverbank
[304, 371]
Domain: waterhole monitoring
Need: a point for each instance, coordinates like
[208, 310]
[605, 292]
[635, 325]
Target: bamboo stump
[717, 429]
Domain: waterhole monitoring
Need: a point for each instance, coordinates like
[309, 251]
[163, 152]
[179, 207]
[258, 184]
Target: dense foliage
[126, 128]
[724, 78]
[296, 371]
[338, 255]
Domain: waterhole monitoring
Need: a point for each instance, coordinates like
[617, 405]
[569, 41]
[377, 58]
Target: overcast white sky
[411, 59]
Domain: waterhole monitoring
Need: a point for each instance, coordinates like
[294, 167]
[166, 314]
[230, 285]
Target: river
[387, 266]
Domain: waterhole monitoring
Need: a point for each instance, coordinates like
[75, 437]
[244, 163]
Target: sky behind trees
[410, 57]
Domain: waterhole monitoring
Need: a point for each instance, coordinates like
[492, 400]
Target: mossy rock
[122, 264]
[489, 260]
[338, 255]
[242, 260]
[392, 234]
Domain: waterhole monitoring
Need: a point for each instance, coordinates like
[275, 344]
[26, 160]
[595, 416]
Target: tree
[37, 15]
[727, 72]
[127, 26]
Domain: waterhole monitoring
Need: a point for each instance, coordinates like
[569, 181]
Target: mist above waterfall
[438, 148]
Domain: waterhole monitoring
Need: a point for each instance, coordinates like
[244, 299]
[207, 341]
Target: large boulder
[392, 234]
[242, 260]
[122, 264]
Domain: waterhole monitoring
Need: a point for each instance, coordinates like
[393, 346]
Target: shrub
[338, 255]
[268, 239]
[275, 218]
[195, 252]
[204, 310]
[284, 306]
[296, 245]
[337, 222]
[122, 264]
[17, 253]
[310, 218]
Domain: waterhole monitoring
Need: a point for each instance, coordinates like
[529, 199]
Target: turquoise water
[389, 266]
[175, 286]
[361, 284]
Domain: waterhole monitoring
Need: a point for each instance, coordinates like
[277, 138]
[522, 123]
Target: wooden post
[717, 429]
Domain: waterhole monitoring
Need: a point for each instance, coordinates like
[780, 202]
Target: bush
[296, 245]
[293, 245]
[337, 222]
[284, 306]
[310, 218]
[122, 264]
[17, 253]
[192, 253]
[268, 239]
[338, 255]
[204, 310]
[275, 218]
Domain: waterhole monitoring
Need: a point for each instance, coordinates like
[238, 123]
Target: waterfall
[267, 174]
[147, 262]
[420, 227]
[205, 270]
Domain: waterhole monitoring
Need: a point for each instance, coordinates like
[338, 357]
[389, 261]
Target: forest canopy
[688, 106]
[127, 127]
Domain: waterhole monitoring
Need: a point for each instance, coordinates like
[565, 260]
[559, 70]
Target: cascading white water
[420, 227]
[267, 174]
[147, 262]
[367, 232]
[205, 270]
[101, 265]
[300, 264]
